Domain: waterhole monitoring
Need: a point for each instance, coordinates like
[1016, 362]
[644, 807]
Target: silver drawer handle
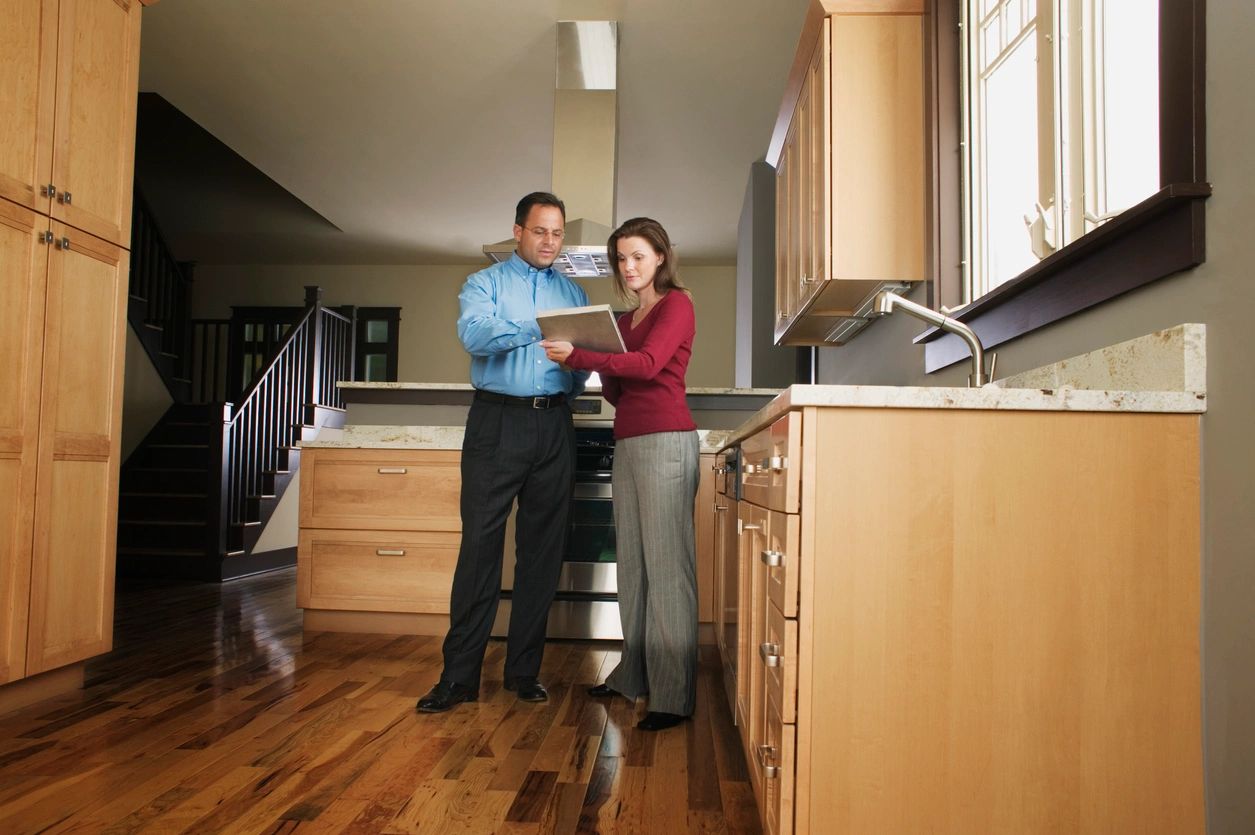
[770, 653]
[750, 469]
[765, 753]
[776, 463]
[774, 559]
[742, 527]
[720, 507]
[392, 470]
[390, 552]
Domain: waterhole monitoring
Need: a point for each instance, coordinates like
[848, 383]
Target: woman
[655, 475]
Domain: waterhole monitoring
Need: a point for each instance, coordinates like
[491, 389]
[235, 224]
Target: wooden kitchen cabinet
[69, 77]
[62, 297]
[704, 536]
[378, 541]
[849, 154]
[972, 621]
[69, 73]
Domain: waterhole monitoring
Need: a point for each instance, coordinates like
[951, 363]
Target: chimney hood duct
[584, 145]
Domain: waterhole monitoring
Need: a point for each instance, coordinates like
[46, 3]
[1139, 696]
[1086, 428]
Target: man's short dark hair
[536, 198]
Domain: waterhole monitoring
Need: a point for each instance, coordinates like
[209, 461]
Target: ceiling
[398, 131]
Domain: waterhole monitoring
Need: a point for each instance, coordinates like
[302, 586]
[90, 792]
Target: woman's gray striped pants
[655, 484]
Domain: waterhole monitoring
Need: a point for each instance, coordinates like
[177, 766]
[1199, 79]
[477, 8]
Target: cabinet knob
[774, 559]
[64, 197]
[766, 755]
[770, 653]
[390, 552]
[750, 469]
[775, 463]
[45, 237]
[48, 191]
[742, 527]
[63, 243]
[720, 507]
[392, 470]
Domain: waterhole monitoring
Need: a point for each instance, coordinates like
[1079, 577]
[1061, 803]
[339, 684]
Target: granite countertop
[757, 392]
[1162, 372]
[438, 437]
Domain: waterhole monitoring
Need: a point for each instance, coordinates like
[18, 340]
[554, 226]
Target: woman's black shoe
[657, 721]
[603, 691]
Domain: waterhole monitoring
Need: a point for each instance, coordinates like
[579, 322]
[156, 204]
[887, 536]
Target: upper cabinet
[849, 153]
[69, 73]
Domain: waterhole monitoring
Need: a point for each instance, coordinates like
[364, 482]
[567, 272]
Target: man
[520, 444]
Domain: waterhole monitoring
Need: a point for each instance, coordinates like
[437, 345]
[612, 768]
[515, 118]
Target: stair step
[173, 455]
[146, 534]
[129, 550]
[173, 479]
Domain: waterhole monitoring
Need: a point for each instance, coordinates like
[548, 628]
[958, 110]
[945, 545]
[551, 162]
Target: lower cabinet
[973, 621]
[379, 537]
[62, 297]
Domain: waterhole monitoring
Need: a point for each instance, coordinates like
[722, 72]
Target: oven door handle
[589, 490]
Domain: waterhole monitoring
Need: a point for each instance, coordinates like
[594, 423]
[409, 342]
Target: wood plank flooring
[215, 713]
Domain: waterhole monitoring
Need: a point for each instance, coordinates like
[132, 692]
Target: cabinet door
[97, 84]
[783, 279]
[28, 74]
[23, 267]
[72, 566]
[704, 536]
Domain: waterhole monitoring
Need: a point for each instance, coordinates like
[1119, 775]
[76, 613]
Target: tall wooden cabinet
[68, 87]
[960, 620]
[850, 158]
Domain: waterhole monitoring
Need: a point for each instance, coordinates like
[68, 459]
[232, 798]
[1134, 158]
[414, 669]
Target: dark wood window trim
[391, 348]
[1158, 237]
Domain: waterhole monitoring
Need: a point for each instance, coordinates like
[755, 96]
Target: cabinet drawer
[774, 763]
[782, 558]
[381, 489]
[376, 571]
[778, 655]
[771, 465]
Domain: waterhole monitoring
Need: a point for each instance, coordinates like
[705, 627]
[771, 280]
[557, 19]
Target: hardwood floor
[216, 714]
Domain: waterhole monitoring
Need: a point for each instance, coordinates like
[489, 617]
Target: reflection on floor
[216, 714]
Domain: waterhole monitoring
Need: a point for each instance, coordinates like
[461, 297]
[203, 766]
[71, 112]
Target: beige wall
[144, 397]
[1220, 293]
[428, 298]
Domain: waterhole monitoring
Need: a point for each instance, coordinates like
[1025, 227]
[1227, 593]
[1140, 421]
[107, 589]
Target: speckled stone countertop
[438, 437]
[1163, 372]
[760, 392]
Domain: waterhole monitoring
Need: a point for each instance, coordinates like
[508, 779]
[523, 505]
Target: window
[1092, 189]
[1062, 125]
[377, 345]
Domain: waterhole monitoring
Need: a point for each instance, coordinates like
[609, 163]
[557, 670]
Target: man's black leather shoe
[528, 689]
[445, 695]
[603, 691]
[657, 721]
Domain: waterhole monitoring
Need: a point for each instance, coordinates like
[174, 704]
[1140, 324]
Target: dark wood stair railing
[289, 401]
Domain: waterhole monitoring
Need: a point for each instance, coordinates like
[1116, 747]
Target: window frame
[391, 351]
[1158, 237]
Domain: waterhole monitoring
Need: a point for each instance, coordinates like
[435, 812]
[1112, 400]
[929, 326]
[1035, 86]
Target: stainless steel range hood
[584, 138]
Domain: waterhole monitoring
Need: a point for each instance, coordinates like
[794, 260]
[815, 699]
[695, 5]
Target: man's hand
[557, 350]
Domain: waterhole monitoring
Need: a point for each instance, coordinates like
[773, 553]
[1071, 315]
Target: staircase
[196, 494]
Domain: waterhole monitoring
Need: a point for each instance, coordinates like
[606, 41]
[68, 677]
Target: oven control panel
[591, 407]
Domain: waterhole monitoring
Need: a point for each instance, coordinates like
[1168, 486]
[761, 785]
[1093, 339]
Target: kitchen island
[379, 525]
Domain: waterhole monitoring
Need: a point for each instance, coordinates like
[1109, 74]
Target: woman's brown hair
[653, 233]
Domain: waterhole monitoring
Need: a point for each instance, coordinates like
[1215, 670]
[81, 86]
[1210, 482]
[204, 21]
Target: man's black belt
[545, 401]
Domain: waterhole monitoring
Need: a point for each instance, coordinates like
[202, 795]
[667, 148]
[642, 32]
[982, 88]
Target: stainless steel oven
[587, 602]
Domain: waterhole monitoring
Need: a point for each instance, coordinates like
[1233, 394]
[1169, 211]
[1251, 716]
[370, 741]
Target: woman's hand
[557, 350]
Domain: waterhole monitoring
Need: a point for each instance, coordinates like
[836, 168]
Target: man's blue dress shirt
[497, 327]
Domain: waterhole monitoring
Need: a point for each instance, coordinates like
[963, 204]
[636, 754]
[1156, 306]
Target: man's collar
[523, 268]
